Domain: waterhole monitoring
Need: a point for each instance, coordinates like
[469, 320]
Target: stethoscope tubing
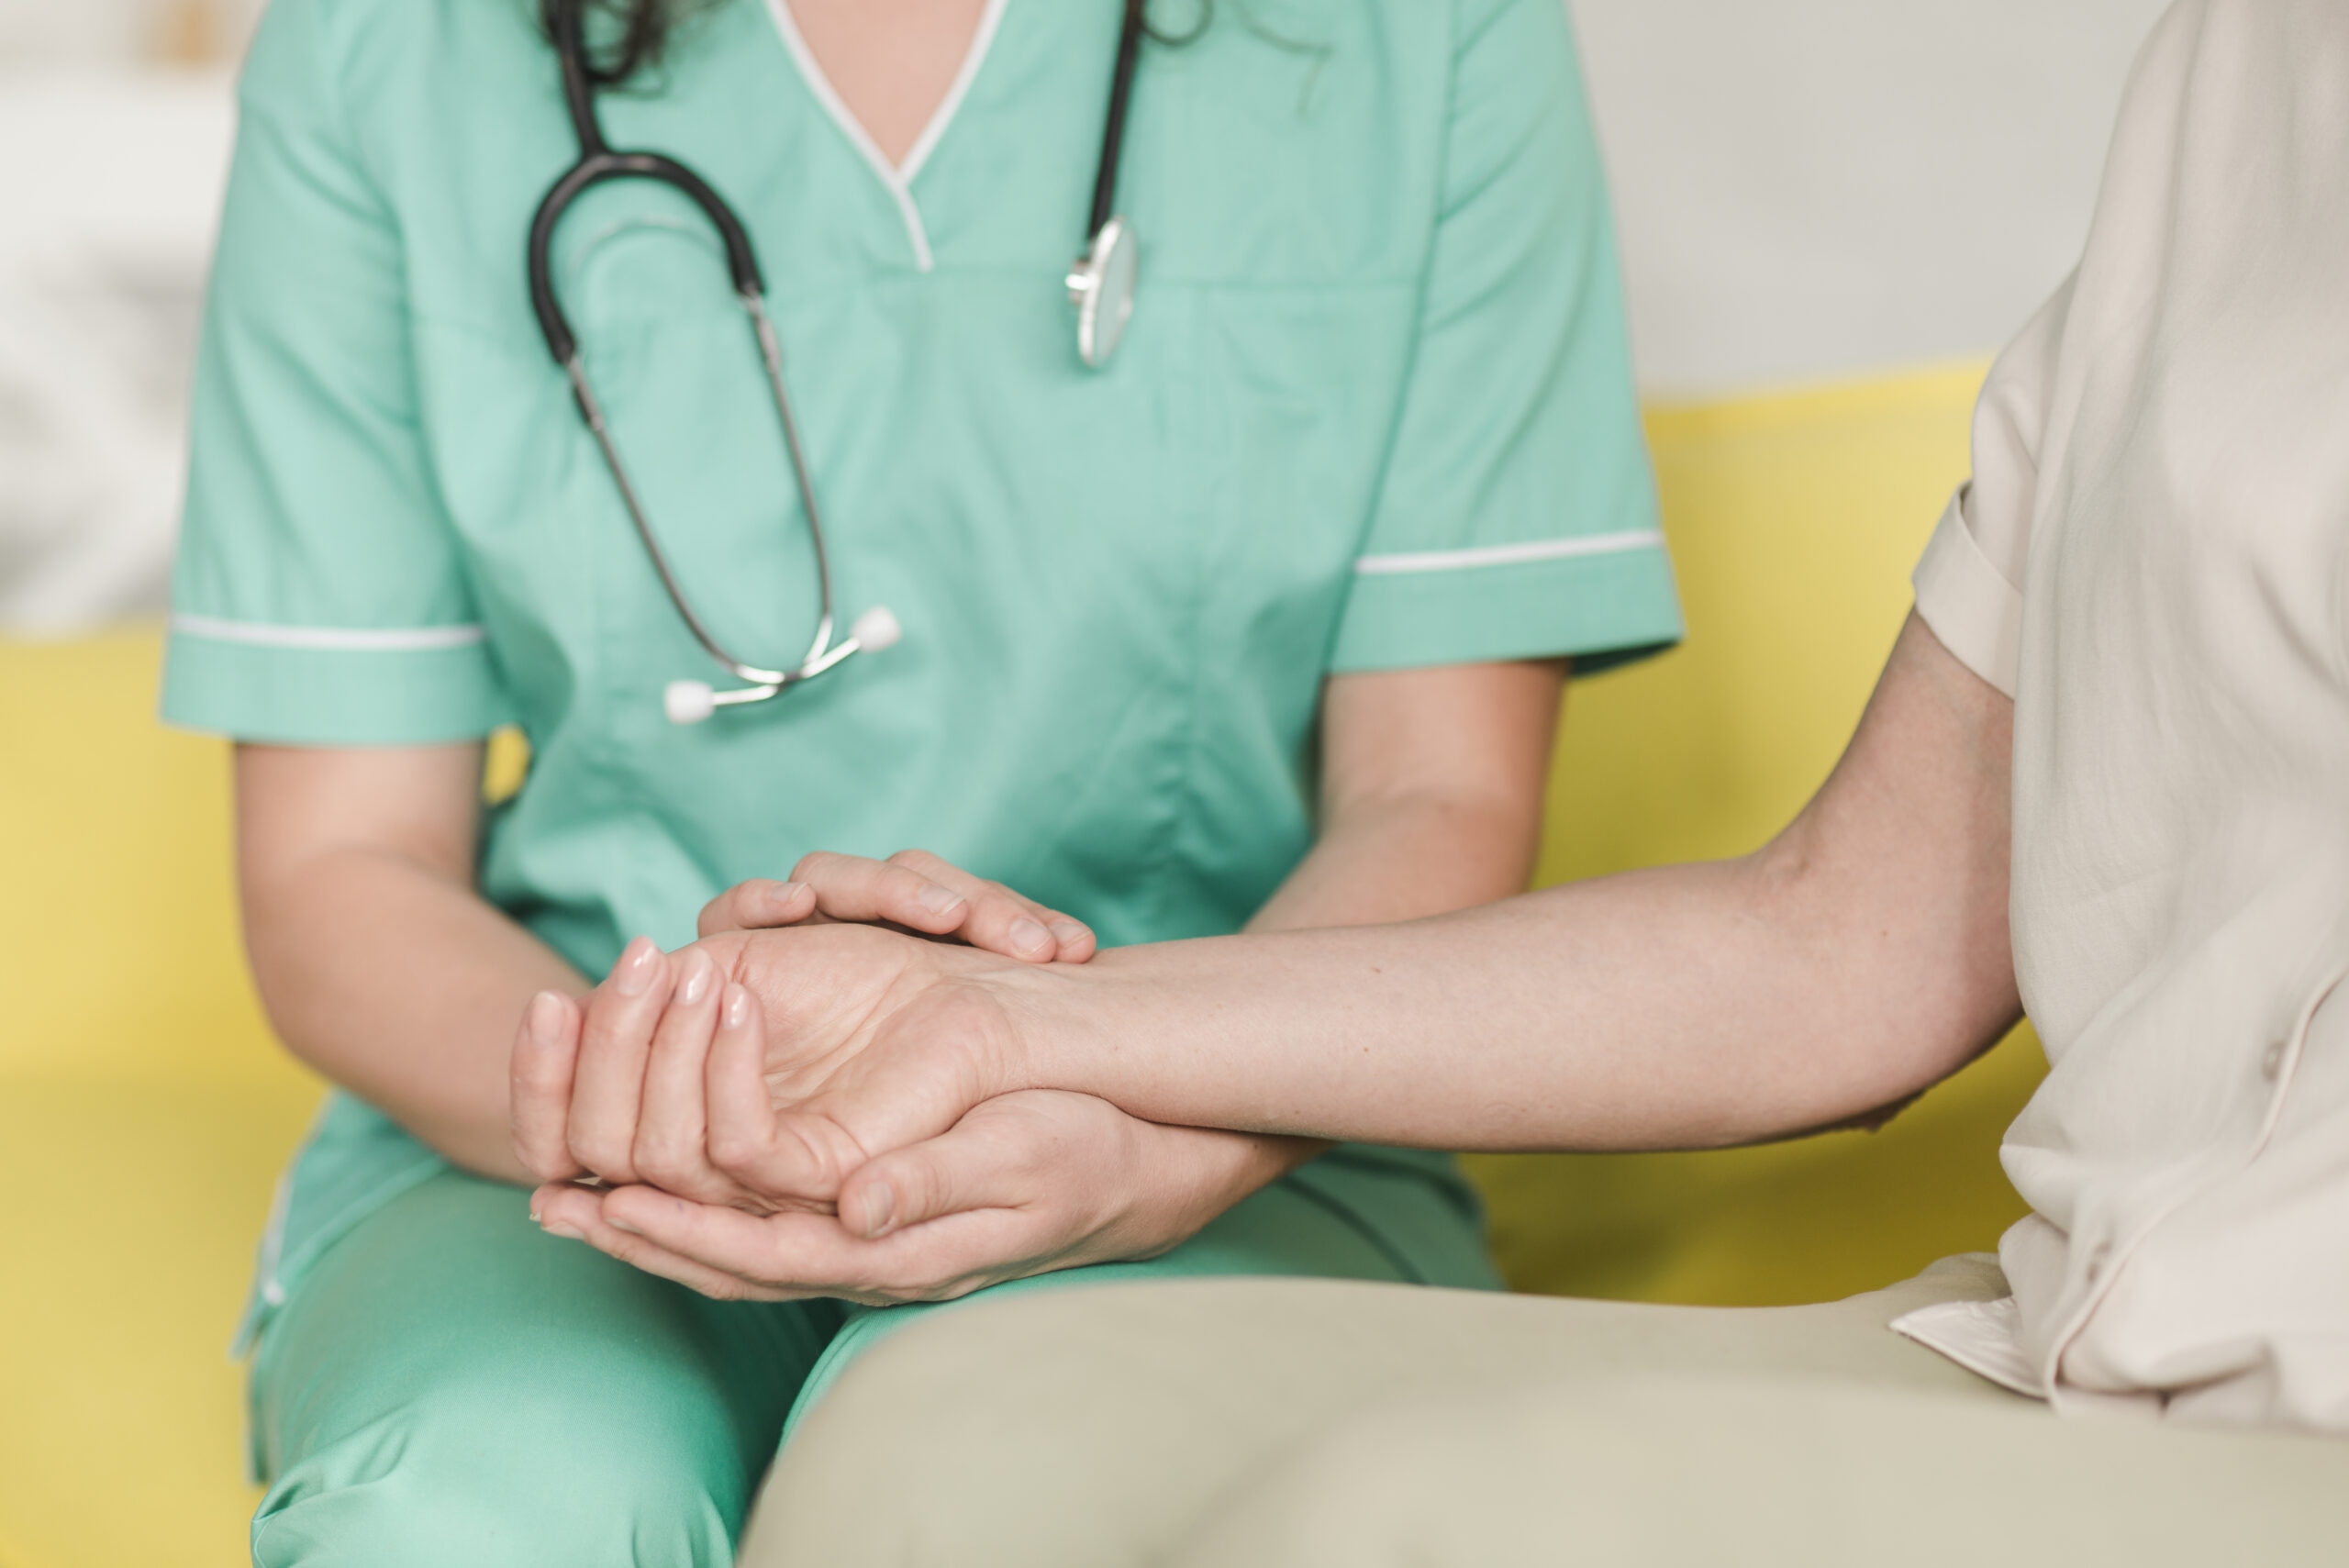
[600, 163]
[1131, 32]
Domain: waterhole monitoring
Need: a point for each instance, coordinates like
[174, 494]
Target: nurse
[1262, 623]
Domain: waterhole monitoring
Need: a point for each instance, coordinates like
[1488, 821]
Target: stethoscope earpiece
[688, 702]
[877, 631]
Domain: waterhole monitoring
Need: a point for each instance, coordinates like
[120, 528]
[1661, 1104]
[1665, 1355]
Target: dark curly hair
[625, 37]
[628, 36]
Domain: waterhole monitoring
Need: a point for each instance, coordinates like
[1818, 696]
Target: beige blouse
[2153, 559]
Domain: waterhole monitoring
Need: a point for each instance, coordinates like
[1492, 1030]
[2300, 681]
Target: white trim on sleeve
[330, 638]
[1508, 554]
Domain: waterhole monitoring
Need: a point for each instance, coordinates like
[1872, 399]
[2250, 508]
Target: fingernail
[1027, 936]
[632, 977]
[557, 1227]
[622, 1225]
[738, 1007]
[699, 970]
[786, 894]
[1069, 933]
[545, 1019]
[939, 900]
[880, 1210]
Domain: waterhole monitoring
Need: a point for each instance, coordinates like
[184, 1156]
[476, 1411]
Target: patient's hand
[856, 1070]
[711, 1072]
[610, 1092]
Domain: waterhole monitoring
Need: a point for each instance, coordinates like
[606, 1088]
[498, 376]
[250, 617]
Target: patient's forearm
[1859, 957]
[1432, 801]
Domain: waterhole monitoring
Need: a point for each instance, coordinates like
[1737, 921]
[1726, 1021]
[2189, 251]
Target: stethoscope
[1101, 286]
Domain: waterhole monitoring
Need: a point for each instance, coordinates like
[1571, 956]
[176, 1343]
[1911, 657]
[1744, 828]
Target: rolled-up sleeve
[320, 595]
[1517, 515]
[1969, 582]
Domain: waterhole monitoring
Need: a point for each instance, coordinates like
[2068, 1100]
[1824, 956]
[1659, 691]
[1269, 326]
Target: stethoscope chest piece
[1101, 287]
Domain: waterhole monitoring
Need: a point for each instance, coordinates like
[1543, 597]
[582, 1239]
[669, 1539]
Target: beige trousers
[1248, 1423]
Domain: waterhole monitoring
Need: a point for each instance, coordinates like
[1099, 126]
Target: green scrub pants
[447, 1386]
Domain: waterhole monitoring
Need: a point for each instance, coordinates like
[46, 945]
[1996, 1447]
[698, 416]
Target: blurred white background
[1808, 189]
[1814, 188]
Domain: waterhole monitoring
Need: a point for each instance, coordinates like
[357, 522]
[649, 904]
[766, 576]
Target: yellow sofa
[144, 1110]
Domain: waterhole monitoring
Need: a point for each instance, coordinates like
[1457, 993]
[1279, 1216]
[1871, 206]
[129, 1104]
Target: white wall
[1813, 187]
[104, 242]
[87, 31]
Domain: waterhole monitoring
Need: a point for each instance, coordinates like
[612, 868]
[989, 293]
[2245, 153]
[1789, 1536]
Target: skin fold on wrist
[1048, 1044]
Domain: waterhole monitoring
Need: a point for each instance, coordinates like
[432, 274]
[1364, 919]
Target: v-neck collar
[896, 179]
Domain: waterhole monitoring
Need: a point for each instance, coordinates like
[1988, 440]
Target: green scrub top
[1374, 412]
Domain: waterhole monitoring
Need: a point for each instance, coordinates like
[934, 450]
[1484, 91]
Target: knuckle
[921, 1190]
[736, 1153]
[605, 1157]
[816, 864]
[545, 1158]
[934, 1287]
[865, 1284]
[934, 867]
[608, 1021]
[659, 1160]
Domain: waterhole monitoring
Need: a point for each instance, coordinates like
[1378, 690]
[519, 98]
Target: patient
[2119, 720]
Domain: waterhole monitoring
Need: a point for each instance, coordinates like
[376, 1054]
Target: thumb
[788, 1157]
[929, 1067]
[968, 1168]
[757, 905]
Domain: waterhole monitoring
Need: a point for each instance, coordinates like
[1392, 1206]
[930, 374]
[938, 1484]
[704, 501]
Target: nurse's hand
[1023, 1184]
[912, 888]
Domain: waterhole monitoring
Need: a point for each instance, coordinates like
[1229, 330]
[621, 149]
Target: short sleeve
[1969, 582]
[320, 595]
[1517, 515]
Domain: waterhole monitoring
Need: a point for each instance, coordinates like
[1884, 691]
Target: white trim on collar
[982, 40]
[898, 181]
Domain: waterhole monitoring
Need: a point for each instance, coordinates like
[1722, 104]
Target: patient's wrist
[1064, 1020]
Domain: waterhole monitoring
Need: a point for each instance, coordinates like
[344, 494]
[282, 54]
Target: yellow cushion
[144, 1110]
